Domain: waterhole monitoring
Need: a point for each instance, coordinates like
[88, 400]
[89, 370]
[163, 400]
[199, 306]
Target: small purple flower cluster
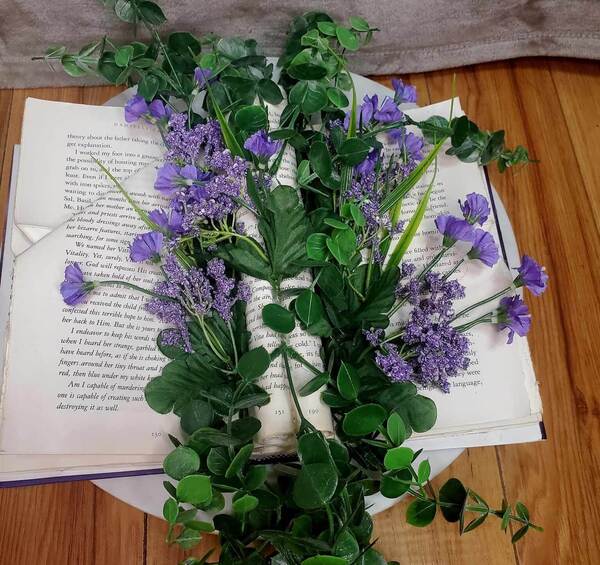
[157, 112]
[370, 111]
[197, 293]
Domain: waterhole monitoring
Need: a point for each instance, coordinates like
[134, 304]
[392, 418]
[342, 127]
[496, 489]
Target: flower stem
[304, 423]
[136, 288]
[482, 302]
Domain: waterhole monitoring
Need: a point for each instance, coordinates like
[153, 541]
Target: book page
[78, 375]
[279, 417]
[499, 385]
[59, 177]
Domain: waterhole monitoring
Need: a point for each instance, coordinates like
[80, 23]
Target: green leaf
[243, 257]
[475, 523]
[269, 91]
[311, 96]
[240, 459]
[245, 504]
[196, 414]
[308, 307]
[244, 429]
[410, 231]
[255, 476]
[353, 151]
[359, 24]
[200, 526]
[347, 38]
[372, 557]
[125, 11]
[278, 318]
[314, 384]
[505, 518]
[320, 160]
[183, 43]
[188, 538]
[337, 97]
[324, 560]
[424, 471]
[522, 511]
[380, 297]
[342, 245]
[253, 363]
[170, 510]
[346, 546]
[348, 381]
[422, 413]
[315, 485]
[251, 118]
[313, 448]
[398, 458]
[395, 486]
[326, 28]
[180, 462]
[70, 66]
[307, 71]
[123, 56]
[396, 429]
[337, 224]
[195, 489]
[520, 533]
[151, 13]
[218, 461]
[148, 87]
[454, 493]
[363, 420]
[420, 513]
[316, 246]
[254, 399]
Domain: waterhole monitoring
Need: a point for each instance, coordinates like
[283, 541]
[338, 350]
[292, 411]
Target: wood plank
[159, 553]
[119, 531]
[98, 95]
[48, 524]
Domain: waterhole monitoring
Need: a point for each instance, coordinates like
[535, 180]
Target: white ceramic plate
[147, 492]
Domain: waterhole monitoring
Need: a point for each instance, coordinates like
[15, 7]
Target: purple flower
[403, 92]
[514, 315]
[453, 229]
[171, 221]
[135, 108]
[170, 178]
[389, 112]
[74, 288]
[159, 110]
[392, 364]
[367, 166]
[475, 208]
[146, 246]
[202, 76]
[484, 248]
[532, 275]
[261, 145]
[410, 144]
[365, 111]
[374, 336]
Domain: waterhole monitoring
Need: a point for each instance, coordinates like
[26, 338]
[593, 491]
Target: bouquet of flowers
[331, 254]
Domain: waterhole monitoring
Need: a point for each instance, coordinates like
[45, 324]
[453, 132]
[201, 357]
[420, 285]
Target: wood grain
[552, 107]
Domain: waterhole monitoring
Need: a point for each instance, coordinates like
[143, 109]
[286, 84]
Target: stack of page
[72, 381]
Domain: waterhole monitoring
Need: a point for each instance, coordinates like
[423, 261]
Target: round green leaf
[363, 420]
[398, 458]
[327, 28]
[195, 489]
[308, 307]
[307, 71]
[353, 151]
[320, 160]
[170, 510]
[337, 98]
[218, 460]
[420, 513]
[148, 87]
[188, 538]
[396, 429]
[452, 492]
[316, 246]
[269, 91]
[337, 224]
[183, 42]
[422, 413]
[245, 504]
[347, 38]
[324, 560]
[359, 24]
[251, 118]
[311, 96]
[180, 462]
[424, 471]
[342, 245]
[196, 414]
[315, 485]
[348, 381]
[278, 318]
[123, 56]
[313, 448]
[393, 487]
[151, 13]
[346, 546]
[253, 363]
[256, 476]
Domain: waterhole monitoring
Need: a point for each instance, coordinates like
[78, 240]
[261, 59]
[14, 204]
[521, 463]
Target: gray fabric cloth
[416, 35]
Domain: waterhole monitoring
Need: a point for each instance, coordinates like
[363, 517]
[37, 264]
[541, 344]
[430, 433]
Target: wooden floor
[552, 107]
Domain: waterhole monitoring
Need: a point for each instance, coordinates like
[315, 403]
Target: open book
[72, 402]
